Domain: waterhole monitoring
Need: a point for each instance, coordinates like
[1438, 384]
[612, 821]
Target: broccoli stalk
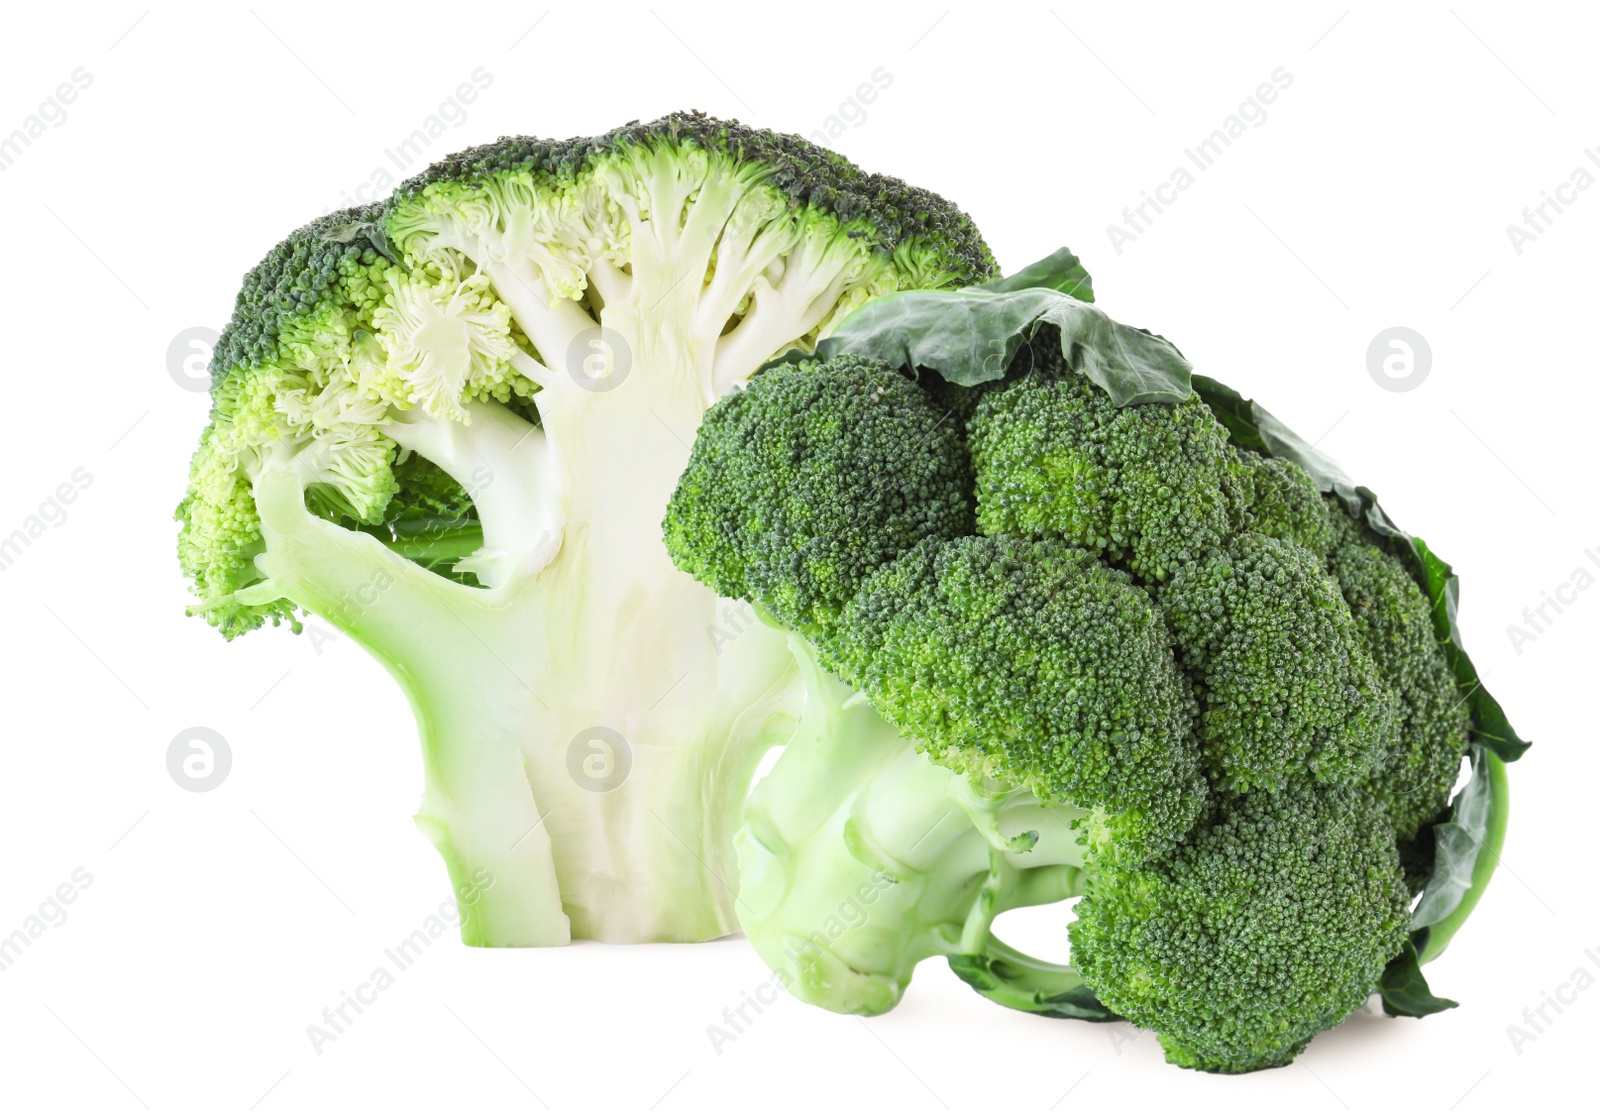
[861, 856]
[544, 323]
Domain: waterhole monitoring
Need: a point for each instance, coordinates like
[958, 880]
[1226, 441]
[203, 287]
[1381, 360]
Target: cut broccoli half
[449, 423]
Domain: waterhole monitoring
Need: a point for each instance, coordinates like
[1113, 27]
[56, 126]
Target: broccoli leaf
[1404, 990]
[970, 336]
[1061, 271]
[1489, 720]
[1254, 427]
[1468, 849]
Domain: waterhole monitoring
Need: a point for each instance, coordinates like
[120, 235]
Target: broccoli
[1075, 630]
[448, 425]
[1027, 663]
[1288, 685]
[767, 476]
[1149, 487]
[1394, 622]
[1269, 925]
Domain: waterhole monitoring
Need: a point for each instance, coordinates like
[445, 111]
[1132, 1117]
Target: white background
[219, 925]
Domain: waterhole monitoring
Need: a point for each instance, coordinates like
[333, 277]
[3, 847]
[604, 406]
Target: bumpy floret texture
[1148, 487]
[1232, 684]
[814, 477]
[1269, 925]
[1394, 621]
[1287, 687]
[1282, 501]
[1031, 663]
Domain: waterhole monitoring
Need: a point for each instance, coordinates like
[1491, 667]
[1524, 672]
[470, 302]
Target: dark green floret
[307, 268]
[1149, 486]
[337, 258]
[1031, 663]
[1282, 501]
[1286, 685]
[1395, 624]
[1272, 923]
[803, 485]
[893, 213]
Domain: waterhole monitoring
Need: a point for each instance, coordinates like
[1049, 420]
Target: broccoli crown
[1394, 622]
[1268, 925]
[804, 484]
[313, 264]
[1149, 487]
[1287, 686]
[1032, 663]
[405, 306]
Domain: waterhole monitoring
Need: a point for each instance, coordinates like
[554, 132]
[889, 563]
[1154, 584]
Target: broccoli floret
[1149, 486]
[449, 423]
[1031, 663]
[1282, 501]
[804, 484]
[1395, 623]
[1286, 685]
[1273, 922]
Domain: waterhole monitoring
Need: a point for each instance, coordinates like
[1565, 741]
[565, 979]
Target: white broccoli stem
[586, 613]
[436, 638]
[552, 325]
[857, 861]
[646, 653]
[610, 635]
[780, 314]
[502, 462]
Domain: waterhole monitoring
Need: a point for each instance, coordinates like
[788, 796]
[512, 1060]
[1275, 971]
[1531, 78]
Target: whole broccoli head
[1159, 671]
